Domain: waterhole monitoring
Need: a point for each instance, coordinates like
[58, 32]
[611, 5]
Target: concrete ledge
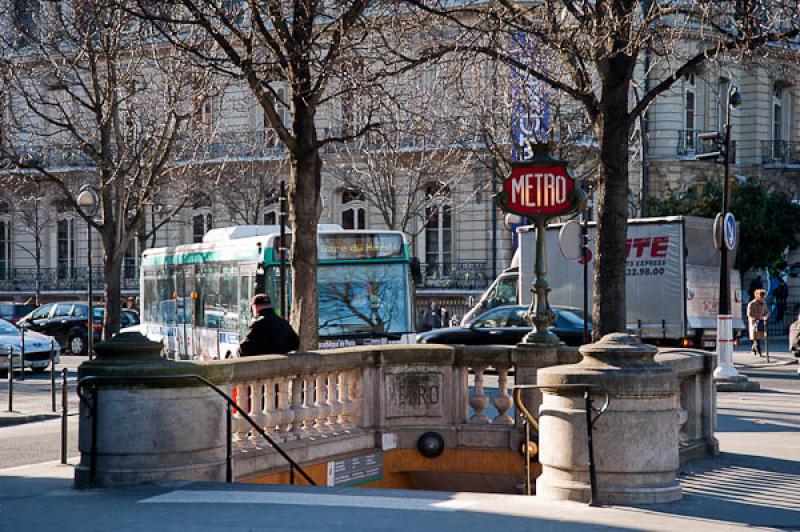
[743, 385]
[8, 419]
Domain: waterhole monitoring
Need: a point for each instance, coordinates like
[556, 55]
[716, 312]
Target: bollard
[52, 377]
[10, 379]
[64, 411]
[22, 357]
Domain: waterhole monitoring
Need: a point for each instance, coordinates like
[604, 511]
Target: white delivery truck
[672, 279]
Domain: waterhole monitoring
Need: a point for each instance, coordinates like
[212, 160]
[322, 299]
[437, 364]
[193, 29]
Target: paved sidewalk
[32, 400]
[754, 484]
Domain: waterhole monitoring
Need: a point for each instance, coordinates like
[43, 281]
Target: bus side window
[245, 294]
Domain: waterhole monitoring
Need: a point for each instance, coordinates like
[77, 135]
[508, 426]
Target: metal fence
[60, 279]
[455, 275]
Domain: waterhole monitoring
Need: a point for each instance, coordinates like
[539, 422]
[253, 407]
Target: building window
[202, 219]
[206, 112]
[201, 224]
[438, 227]
[778, 105]
[690, 95]
[66, 245]
[130, 260]
[282, 109]
[5, 240]
[354, 211]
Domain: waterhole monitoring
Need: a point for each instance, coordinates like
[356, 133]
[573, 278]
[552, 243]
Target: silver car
[37, 348]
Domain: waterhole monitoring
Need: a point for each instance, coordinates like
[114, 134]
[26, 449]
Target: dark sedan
[506, 325]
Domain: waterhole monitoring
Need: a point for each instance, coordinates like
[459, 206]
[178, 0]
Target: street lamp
[89, 201]
[725, 370]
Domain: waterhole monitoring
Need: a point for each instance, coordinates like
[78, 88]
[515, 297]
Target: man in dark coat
[269, 333]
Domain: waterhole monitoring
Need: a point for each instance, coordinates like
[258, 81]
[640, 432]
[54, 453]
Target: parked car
[506, 325]
[37, 348]
[67, 322]
[12, 312]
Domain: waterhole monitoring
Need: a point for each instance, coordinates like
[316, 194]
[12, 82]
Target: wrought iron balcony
[56, 156]
[261, 144]
[455, 275]
[61, 279]
[780, 152]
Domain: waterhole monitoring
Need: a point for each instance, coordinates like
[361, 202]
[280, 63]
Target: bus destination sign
[360, 246]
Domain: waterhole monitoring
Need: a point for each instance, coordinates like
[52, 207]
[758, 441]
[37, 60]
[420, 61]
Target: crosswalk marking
[308, 499]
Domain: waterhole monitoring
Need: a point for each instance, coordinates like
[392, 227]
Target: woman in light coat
[757, 314]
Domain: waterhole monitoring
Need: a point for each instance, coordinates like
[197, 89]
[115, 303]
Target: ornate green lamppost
[541, 188]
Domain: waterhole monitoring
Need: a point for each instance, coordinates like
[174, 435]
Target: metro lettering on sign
[535, 190]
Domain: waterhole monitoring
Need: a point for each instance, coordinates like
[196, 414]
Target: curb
[10, 419]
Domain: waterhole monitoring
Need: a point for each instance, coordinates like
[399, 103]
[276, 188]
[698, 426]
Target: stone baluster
[268, 409]
[285, 413]
[323, 408]
[256, 408]
[240, 426]
[503, 401]
[479, 401]
[298, 407]
[311, 409]
[334, 402]
[354, 377]
[346, 415]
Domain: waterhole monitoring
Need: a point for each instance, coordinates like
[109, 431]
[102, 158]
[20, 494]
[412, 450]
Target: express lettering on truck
[656, 246]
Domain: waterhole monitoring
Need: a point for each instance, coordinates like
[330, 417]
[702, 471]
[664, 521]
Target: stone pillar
[528, 358]
[149, 431]
[635, 441]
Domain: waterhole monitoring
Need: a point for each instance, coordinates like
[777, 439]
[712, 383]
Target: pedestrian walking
[269, 333]
[757, 315]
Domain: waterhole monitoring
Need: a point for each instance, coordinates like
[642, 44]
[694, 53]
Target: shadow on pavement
[746, 489]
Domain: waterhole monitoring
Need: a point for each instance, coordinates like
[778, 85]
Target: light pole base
[742, 384]
[726, 377]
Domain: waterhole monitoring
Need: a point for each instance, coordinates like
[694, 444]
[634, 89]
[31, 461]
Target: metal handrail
[93, 380]
[590, 421]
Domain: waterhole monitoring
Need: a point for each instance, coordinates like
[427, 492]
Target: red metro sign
[539, 190]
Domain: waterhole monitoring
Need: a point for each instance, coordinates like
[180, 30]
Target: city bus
[196, 297]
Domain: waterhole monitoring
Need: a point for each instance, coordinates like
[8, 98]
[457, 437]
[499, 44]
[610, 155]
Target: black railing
[61, 279]
[455, 275]
[262, 144]
[56, 156]
[92, 381]
[780, 152]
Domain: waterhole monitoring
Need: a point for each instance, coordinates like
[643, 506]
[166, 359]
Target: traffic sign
[569, 240]
[725, 231]
[729, 229]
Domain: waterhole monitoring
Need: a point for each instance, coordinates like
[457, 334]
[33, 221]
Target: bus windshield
[363, 298]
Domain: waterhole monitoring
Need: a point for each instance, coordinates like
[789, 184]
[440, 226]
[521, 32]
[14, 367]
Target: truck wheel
[77, 343]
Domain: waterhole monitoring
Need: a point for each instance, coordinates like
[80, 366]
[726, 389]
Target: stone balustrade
[335, 403]
[695, 400]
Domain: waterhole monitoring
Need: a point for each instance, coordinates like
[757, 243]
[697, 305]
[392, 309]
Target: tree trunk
[37, 259]
[609, 312]
[303, 218]
[112, 282]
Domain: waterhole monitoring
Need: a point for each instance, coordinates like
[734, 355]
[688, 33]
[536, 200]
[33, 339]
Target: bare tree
[302, 47]
[35, 218]
[597, 47]
[94, 97]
